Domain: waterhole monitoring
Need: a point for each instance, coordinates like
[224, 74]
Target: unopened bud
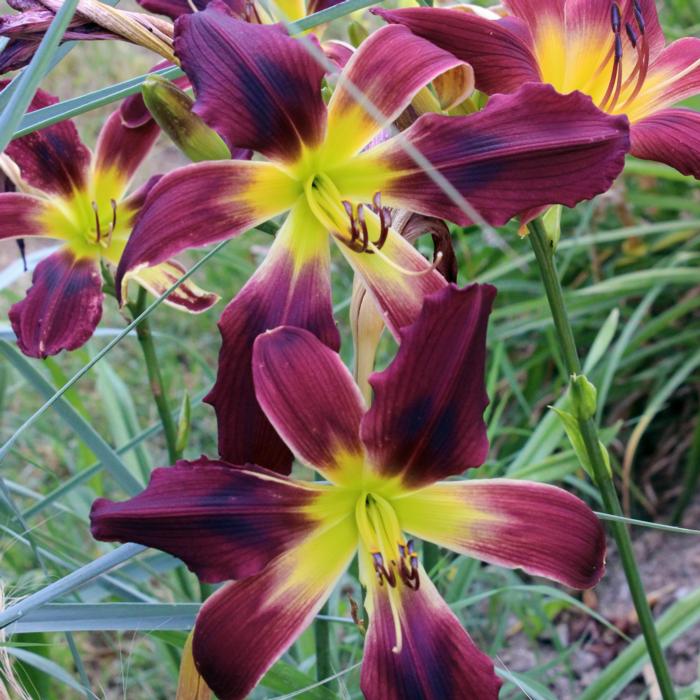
[172, 110]
[585, 396]
[367, 325]
[191, 685]
[552, 225]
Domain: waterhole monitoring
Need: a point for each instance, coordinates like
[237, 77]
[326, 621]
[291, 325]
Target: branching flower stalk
[544, 255]
[155, 377]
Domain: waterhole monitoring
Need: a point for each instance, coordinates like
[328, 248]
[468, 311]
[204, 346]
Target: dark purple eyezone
[359, 235]
[638, 42]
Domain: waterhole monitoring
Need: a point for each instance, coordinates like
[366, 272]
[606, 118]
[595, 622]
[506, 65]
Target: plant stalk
[545, 260]
[155, 378]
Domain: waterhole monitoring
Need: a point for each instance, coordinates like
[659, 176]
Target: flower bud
[585, 396]
[172, 110]
[552, 225]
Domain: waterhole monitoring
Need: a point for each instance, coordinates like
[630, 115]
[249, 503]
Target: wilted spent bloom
[289, 541]
[613, 51]
[93, 20]
[64, 192]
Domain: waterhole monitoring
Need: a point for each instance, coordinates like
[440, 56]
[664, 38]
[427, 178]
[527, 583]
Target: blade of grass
[75, 421]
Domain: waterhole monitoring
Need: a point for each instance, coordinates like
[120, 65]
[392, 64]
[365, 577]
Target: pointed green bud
[357, 33]
[572, 429]
[172, 110]
[585, 396]
[183, 424]
[552, 225]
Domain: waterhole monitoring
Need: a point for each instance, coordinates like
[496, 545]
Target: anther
[382, 573]
[639, 17]
[615, 18]
[631, 35]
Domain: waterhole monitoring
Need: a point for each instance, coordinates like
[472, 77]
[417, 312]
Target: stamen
[631, 35]
[22, 252]
[382, 573]
[615, 18]
[363, 227]
[642, 66]
[403, 270]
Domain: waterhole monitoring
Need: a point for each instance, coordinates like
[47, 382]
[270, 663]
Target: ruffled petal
[390, 55]
[246, 626]
[502, 60]
[201, 204]
[671, 136]
[187, 297]
[62, 307]
[426, 420]
[256, 86]
[526, 150]
[291, 287]
[310, 397]
[434, 659]
[539, 528]
[21, 215]
[53, 159]
[119, 152]
[673, 76]
[223, 521]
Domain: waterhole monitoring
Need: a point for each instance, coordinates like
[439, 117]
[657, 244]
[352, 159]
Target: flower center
[393, 557]
[347, 222]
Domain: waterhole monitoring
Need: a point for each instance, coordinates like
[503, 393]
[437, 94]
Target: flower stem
[322, 635]
[603, 480]
[155, 378]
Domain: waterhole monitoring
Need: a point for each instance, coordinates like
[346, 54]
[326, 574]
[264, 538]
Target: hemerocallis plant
[290, 541]
[262, 90]
[60, 190]
[613, 51]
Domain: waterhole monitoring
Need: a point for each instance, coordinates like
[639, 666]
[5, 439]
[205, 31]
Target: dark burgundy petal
[518, 524]
[201, 204]
[435, 658]
[246, 626]
[501, 59]
[671, 136]
[426, 420]
[20, 215]
[62, 307]
[526, 150]
[224, 522]
[256, 86]
[175, 8]
[310, 397]
[120, 150]
[285, 290]
[388, 69]
[53, 159]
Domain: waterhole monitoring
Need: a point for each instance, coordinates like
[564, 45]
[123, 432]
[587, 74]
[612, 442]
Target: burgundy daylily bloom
[62, 191]
[613, 51]
[290, 541]
[261, 90]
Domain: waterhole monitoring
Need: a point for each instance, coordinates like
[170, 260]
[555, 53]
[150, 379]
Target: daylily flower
[261, 90]
[93, 20]
[66, 193]
[290, 541]
[613, 51]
